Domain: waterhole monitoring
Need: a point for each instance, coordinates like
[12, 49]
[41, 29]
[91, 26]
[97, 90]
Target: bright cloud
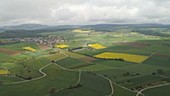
[84, 11]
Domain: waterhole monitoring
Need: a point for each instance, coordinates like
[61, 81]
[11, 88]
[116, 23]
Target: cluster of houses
[48, 40]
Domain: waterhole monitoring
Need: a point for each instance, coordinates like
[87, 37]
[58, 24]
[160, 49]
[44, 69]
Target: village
[45, 40]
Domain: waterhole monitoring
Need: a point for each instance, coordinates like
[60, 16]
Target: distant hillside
[113, 27]
[33, 30]
[25, 26]
[100, 27]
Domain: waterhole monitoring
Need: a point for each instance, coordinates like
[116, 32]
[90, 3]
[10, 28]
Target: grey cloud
[84, 11]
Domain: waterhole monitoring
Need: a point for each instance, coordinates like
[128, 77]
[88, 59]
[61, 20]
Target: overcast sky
[62, 12]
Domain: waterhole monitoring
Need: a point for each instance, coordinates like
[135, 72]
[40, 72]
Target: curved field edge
[90, 85]
[159, 91]
[40, 87]
[9, 79]
[122, 91]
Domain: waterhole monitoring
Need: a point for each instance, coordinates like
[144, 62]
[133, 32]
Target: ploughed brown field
[43, 47]
[134, 44]
[88, 59]
[9, 52]
[162, 55]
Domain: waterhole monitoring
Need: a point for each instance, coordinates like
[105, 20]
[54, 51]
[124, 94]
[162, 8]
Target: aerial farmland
[85, 61]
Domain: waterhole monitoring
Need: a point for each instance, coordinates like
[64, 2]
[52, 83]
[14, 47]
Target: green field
[19, 46]
[91, 85]
[72, 63]
[39, 87]
[118, 91]
[160, 91]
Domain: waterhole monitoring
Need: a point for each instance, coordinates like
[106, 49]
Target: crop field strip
[29, 49]
[4, 71]
[9, 51]
[126, 57]
[96, 46]
[61, 46]
[81, 31]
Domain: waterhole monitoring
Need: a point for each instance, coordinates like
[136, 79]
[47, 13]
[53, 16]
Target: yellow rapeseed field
[81, 31]
[3, 72]
[126, 57]
[96, 46]
[62, 46]
[29, 49]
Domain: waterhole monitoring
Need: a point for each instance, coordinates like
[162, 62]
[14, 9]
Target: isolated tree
[153, 73]
[137, 74]
[105, 75]
[128, 80]
[52, 90]
[160, 71]
[126, 74]
[53, 61]
[29, 78]
[1, 82]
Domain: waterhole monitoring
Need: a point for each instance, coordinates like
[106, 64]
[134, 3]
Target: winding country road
[40, 70]
[38, 78]
[140, 92]
[79, 78]
[111, 84]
